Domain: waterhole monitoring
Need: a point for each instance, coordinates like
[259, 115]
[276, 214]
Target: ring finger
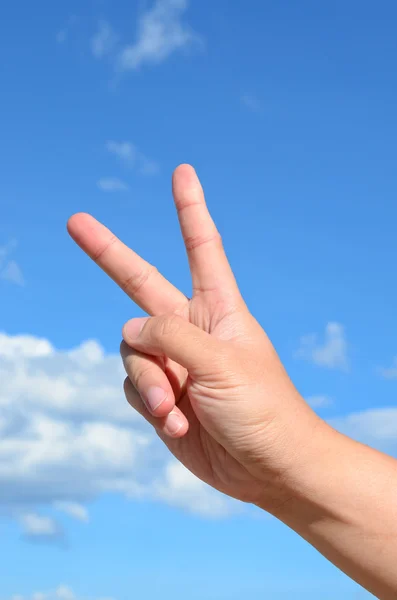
[173, 425]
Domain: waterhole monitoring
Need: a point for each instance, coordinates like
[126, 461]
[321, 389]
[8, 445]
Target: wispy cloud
[74, 510]
[9, 269]
[376, 427]
[252, 102]
[112, 184]
[161, 32]
[104, 41]
[147, 166]
[319, 401]
[38, 527]
[390, 372]
[331, 352]
[133, 158]
[125, 151]
[62, 592]
[63, 34]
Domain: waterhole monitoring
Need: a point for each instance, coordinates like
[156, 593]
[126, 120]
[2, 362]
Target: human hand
[202, 371]
[205, 375]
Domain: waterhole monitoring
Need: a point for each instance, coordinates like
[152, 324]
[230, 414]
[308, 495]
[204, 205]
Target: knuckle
[194, 242]
[139, 372]
[133, 284]
[100, 252]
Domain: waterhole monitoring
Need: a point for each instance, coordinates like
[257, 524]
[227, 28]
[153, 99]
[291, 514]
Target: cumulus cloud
[62, 592]
[104, 40]
[67, 436]
[112, 184]
[331, 352]
[161, 32]
[132, 157]
[9, 268]
[181, 488]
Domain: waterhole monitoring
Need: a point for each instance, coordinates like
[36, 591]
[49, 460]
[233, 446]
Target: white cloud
[161, 32]
[375, 427]
[252, 102]
[180, 487]
[112, 184]
[331, 353]
[37, 526]
[147, 166]
[390, 372]
[104, 40]
[65, 593]
[68, 436]
[74, 510]
[318, 401]
[9, 268]
[12, 273]
[23, 346]
[133, 158]
[125, 151]
[62, 592]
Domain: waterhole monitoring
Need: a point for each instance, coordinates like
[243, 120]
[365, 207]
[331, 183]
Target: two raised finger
[210, 269]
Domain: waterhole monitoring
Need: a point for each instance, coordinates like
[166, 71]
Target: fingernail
[155, 397]
[174, 424]
[133, 328]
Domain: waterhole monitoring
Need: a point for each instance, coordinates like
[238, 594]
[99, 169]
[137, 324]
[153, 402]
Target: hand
[202, 371]
[205, 375]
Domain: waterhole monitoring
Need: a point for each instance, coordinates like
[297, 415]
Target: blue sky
[287, 110]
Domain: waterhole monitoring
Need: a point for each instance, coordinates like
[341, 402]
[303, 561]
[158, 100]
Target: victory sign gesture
[202, 371]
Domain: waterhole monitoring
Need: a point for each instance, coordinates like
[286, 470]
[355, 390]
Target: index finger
[140, 280]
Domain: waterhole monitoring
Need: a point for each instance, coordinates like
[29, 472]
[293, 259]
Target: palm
[198, 450]
[216, 307]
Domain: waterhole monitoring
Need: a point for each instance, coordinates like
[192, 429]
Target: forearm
[344, 502]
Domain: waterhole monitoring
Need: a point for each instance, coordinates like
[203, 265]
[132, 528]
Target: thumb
[173, 336]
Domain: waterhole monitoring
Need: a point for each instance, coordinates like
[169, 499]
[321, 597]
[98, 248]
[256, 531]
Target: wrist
[299, 489]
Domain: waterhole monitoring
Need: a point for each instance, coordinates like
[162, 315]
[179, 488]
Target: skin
[206, 376]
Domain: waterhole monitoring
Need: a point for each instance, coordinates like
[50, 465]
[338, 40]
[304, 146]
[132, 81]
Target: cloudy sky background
[287, 110]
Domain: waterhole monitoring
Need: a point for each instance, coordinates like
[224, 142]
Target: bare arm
[345, 504]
